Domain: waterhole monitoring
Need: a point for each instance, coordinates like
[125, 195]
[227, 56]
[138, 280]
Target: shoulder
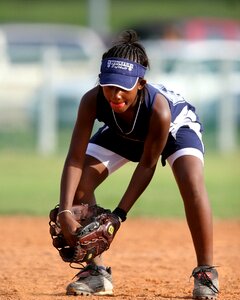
[154, 91]
[89, 99]
[91, 94]
[158, 102]
[87, 105]
[160, 107]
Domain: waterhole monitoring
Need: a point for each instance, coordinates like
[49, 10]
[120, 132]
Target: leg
[94, 278]
[99, 163]
[94, 173]
[188, 172]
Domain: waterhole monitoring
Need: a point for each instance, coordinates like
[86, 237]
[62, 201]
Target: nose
[115, 93]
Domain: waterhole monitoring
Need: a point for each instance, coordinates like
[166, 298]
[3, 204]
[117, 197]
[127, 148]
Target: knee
[193, 188]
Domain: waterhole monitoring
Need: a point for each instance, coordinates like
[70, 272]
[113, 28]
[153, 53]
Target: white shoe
[92, 280]
[206, 284]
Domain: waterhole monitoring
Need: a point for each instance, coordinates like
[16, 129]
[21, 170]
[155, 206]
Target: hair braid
[128, 46]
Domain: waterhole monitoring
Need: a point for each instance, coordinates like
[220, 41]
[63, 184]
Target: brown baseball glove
[98, 227]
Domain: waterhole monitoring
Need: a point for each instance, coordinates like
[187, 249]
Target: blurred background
[50, 52]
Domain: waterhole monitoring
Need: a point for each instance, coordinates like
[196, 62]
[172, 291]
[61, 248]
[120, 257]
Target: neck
[134, 120]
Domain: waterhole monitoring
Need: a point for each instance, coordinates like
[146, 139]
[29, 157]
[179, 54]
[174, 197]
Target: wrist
[64, 211]
[121, 213]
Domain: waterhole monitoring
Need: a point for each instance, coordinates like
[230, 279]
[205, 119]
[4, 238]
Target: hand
[82, 233]
[69, 226]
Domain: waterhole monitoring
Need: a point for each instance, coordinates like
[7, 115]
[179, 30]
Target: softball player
[143, 123]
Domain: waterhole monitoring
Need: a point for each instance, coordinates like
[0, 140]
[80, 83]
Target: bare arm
[73, 166]
[76, 155]
[153, 147]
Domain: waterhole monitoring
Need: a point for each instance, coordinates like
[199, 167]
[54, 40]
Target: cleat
[206, 284]
[92, 280]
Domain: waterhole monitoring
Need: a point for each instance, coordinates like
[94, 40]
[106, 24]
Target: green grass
[123, 13]
[30, 185]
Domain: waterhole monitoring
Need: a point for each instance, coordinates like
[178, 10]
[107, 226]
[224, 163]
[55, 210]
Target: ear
[141, 83]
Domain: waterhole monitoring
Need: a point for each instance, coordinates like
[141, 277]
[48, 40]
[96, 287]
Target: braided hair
[128, 46]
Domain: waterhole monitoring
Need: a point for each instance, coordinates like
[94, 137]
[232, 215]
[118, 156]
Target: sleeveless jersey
[131, 145]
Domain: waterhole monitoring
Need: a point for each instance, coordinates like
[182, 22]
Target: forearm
[69, 182]
[140, 180]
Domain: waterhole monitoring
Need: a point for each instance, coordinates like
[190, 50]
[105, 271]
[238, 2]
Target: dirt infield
[150, 259]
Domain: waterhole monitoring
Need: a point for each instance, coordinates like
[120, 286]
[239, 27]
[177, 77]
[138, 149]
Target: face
[119, 99]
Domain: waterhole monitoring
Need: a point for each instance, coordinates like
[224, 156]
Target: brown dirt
[151, 259]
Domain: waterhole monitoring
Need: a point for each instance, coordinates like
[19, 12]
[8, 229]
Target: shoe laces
[202, 276]
[90, 269]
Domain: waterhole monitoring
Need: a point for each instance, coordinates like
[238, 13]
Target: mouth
[117, 105]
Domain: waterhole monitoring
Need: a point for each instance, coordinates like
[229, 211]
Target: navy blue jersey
[131, 145]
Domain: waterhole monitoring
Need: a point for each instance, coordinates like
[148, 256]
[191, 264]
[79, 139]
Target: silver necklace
[134, 122]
